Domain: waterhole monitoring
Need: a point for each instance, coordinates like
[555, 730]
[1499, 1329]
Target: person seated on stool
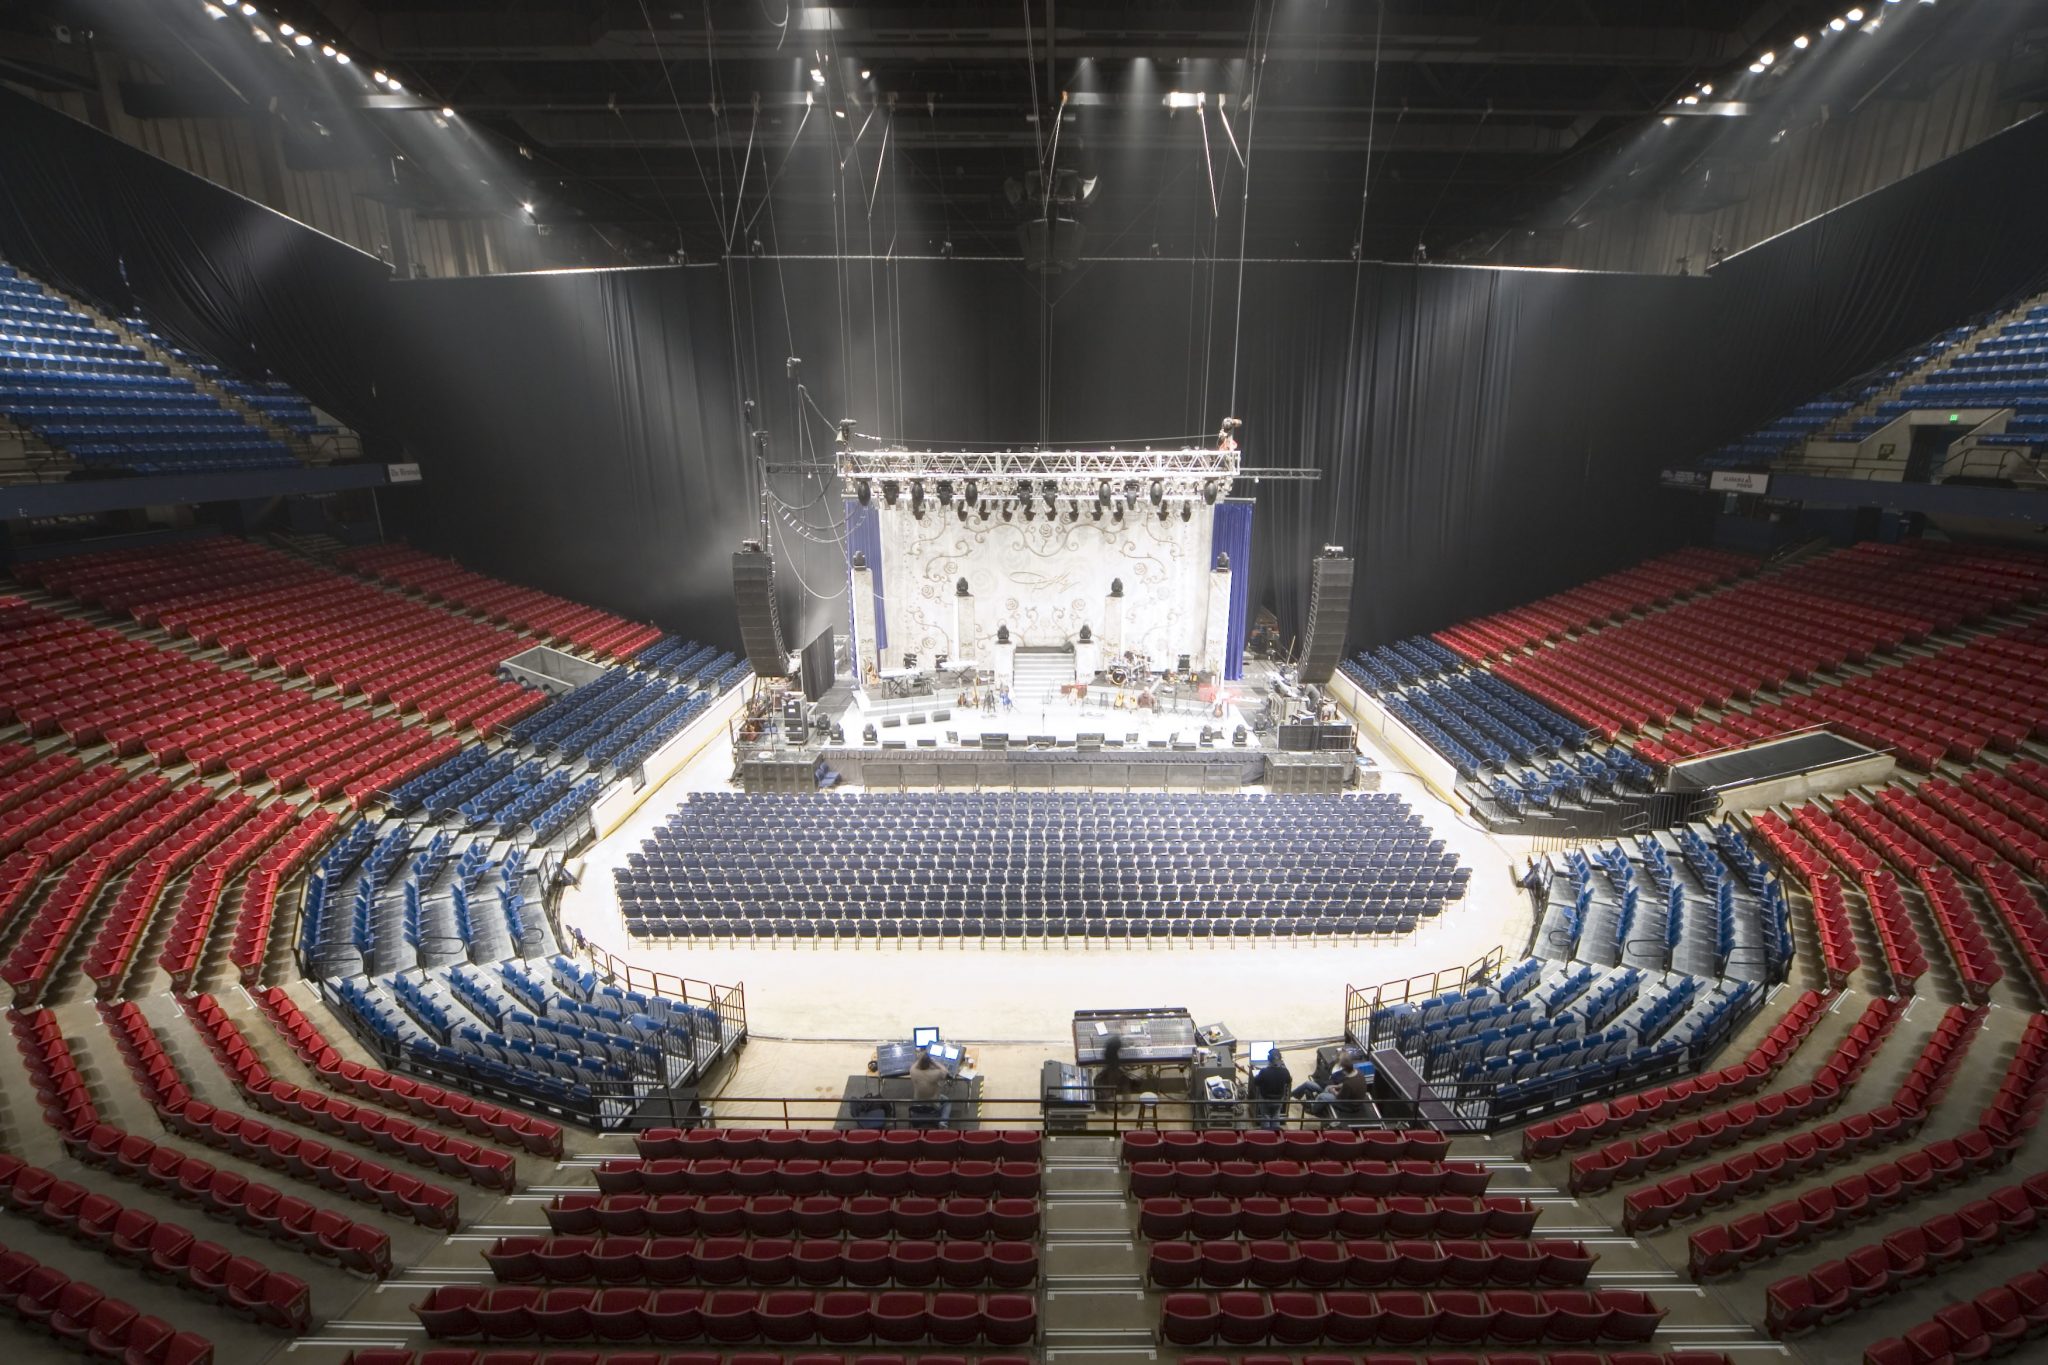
[927, 1079]
[1269, 1091]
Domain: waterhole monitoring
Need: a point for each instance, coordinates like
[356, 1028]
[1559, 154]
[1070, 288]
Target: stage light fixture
[286, 29]
[984, 511]
[891, 490]
[1187, 511]
[1102, 494]
[248, 11]
[327, 49]
[396, 88]
[973, 492]
[917, 496]
[865, 73]
[1802, 42]
[216, 12]
[526, 207]
[260, 35]
[1157, 492]
[1854, 16]
[341, 59]
[945, 492]
[863, 491]
[1755, 69]
[1838, 24]
[961, 512]
[1030, 510]
[380, 78]
[1006, 511]
[446, 112]
[1209, 491]
[303, 40]
[817, 76]
[1690, 99]
[1073, 512]
[1706, 89]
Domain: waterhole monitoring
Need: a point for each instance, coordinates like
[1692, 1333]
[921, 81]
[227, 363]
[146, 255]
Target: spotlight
[1030, 510]
[286, 29]
[838, 113]
[327, 49]
[917, 496]
[1048, 490]
[446, 112]
[1706, 90]
[1802, 42]
[1768, 58]
[865, 73]
[973, 493]
[1854, 16]
[1102, 494]
[341, 59]
[1073, 511]
[1209, 491]
[1755, 69]
[890, 490]
[817, 75]
[261, 36]
[1838, 24]
[303, 40]
[1690, 99]
[984, 511]
[1187, 511]
[526, 207]
[396, 88]
[1006, 511]
[248, 11]
[1668, 120]
[216, 12]
[960, 511]
[945, 492]
[863, 491]
[1156, 494]
[380, 78]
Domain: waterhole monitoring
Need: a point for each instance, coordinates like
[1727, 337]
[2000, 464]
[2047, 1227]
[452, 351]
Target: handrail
[729, 1001]
[1359, 1004]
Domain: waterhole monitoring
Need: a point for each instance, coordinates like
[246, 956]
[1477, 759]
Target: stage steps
[1040, 673]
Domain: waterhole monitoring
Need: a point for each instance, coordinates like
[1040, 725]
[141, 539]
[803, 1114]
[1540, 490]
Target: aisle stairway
[1040, 673]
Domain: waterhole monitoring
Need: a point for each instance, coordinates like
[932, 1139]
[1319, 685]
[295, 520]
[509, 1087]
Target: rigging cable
[1262, 49]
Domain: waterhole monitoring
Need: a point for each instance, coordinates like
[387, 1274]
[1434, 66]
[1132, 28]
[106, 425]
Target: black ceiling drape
[1485, 436]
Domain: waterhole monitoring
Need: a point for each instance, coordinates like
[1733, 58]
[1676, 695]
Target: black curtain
[220, 273]
[1485, 436]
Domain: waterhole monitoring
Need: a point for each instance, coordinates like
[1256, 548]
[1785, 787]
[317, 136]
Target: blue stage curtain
[864, 537]
[1231, 534]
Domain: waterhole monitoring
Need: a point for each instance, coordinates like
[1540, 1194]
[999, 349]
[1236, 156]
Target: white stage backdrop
[1043, 579]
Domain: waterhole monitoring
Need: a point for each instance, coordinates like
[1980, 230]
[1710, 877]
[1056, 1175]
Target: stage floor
[1285, 990]
[1062, 718]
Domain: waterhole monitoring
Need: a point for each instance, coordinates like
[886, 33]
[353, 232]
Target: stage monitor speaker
[753, 590]
[1338, 738]
[1329, 617]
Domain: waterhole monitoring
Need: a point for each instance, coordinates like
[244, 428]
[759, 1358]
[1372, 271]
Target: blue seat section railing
[1525, 755]
[85, 390]
[1037, 864]
[558, 1040]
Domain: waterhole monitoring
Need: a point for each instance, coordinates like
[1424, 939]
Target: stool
[1148, 1110]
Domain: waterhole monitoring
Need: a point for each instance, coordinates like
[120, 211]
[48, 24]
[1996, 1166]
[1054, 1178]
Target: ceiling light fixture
[303, 41]
[216, 12]
[1706, 89]
[446, 112]
[1768, 58]
[1855, 16]
[1837, 25]
[286, 29]
[817, 76]
[1756, 68]
[1802, 42]
[248, 11]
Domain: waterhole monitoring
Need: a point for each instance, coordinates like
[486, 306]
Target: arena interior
[757, 682]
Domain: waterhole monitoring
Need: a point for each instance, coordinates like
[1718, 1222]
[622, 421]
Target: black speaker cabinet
[753, 590]
[1329, 617]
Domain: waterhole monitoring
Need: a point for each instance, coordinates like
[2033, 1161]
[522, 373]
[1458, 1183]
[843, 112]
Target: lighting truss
[1188, 475]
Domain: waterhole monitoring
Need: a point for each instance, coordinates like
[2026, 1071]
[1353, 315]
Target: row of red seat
[845, 1176]
[481, 1119]
[97, 685]
[27, 774]
[1321, 1358]
[1905, 959]
[310, 620]
[1869, 1274]
[908, 1263]
[1661, 1149]
[40, 823]
[456, 1158]
[557, 618]
[1805, 866]
[457, 1355]
[239, 1284]
[128, 919]
[1508, 1317]
[2002, 1127]
[1602, 1121]
[185, 945]
[828, 1144]
[303, 1159]
[1965, 828]
[1616, 595]
[293, 852]
[780, 1316]
[1368, 1263]
[81, 1316]
[1995, 1323]
[1293, 1144]
[146, 812]
[1352, 1215]
[963, 1217]
[68, 1107]
[1902, 826]
[1236, 1179]
[1744, 1175]
[2026, 925]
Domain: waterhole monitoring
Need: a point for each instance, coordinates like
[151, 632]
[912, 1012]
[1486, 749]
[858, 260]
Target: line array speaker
[1329, 616]
[753, 590]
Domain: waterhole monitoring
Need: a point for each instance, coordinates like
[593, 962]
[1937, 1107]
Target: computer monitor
[924, 1037]
[1256, 1054]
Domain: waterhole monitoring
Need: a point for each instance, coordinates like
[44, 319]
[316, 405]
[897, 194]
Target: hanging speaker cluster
[753, 590]
[1329, 614]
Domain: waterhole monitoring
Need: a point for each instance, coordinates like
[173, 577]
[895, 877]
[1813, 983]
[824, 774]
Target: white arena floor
[1027, 994]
